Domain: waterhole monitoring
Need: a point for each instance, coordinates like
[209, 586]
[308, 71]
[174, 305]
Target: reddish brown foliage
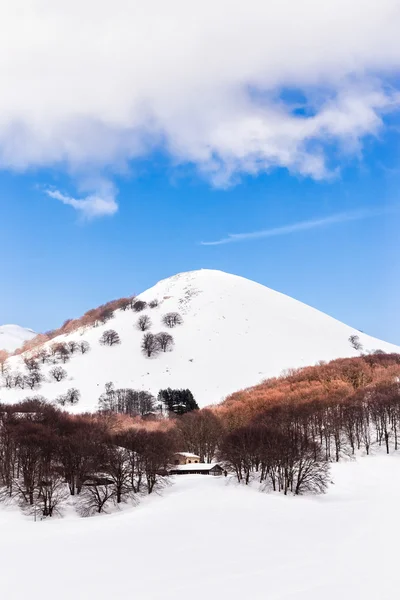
[333, 381]
[101, 314]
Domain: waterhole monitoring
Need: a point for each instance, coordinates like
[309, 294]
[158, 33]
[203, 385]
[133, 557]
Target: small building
[197, 469]
[185, 458]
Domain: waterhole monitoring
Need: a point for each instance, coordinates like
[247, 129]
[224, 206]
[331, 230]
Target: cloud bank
[232, 88]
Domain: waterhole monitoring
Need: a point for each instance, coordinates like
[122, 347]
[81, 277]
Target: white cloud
[89, 86]
[300, 226]
[92, 205]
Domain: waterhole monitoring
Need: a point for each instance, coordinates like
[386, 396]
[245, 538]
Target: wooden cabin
[197, 469]
[185, 458]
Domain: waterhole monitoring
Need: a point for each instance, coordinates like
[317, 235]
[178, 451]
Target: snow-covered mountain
[235, 333]
[13, 336]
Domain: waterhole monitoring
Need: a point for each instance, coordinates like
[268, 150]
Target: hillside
[13, 336]
[234, 334]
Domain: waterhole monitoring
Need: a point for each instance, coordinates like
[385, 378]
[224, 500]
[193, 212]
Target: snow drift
[235, 333]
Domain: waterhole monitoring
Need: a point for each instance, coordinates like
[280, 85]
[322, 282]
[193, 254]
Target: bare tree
[58, 373]
[33, 379]
[150, 344]
[19, 380]
[71, 397]
[110, 338]
[355, 342]
[31, 363]
[172, 319]
[51, 494]
[3, 357]
[84, 346]
[72, 346]
[143, 323]
[42, 355]
[97, 493]
[165, 340]
[154, 303]
[60, 351]
[8, 378]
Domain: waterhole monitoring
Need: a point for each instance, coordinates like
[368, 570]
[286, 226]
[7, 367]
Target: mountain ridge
[235, 333]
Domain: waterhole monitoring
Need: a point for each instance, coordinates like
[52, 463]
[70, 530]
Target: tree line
[47, 454]
[283, 433]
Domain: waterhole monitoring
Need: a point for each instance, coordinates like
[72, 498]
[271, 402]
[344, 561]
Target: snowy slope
[235, 333]
[207, 538]
[13, 336]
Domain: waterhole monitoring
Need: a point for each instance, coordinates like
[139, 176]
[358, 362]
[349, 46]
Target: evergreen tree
[178, 402]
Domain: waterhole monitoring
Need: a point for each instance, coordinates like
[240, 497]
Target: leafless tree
[31, 363]
[165, 340]
[150, 344]
[311, 472]
[3, 357]
[71, 397]
[154, 303]
[202, 432]
[84, 346]
[33, 379]
[172, 319]
[127, 401]
[72, 346]
[58, 373]
[110, 338]
[8, 377]
[51, 494]
[95, 496]
[355, 342]
[42, 355]
[60, 351]
[19, 380]
[143, 323]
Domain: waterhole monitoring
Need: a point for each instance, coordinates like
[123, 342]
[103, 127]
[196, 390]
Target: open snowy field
[206, 537]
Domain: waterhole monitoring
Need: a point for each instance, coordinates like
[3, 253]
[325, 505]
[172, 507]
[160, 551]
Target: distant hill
[13, 336]
[234, 334]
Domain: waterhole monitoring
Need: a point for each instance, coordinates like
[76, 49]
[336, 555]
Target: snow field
[207, 537]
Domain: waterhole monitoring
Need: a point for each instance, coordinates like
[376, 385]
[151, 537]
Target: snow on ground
[13, 336]
[206, 537]
[235, 334]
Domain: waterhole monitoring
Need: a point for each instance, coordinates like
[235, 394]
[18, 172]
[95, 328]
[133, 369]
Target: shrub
[139, 305]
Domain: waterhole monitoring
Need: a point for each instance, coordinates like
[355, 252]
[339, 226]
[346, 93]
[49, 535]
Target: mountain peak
[13, 336]
[234, 334]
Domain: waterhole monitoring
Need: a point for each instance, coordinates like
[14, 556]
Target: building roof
[187, 454]
[195, 467]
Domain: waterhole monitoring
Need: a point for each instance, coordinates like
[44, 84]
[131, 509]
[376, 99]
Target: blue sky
[57, 265]
[134, 134]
